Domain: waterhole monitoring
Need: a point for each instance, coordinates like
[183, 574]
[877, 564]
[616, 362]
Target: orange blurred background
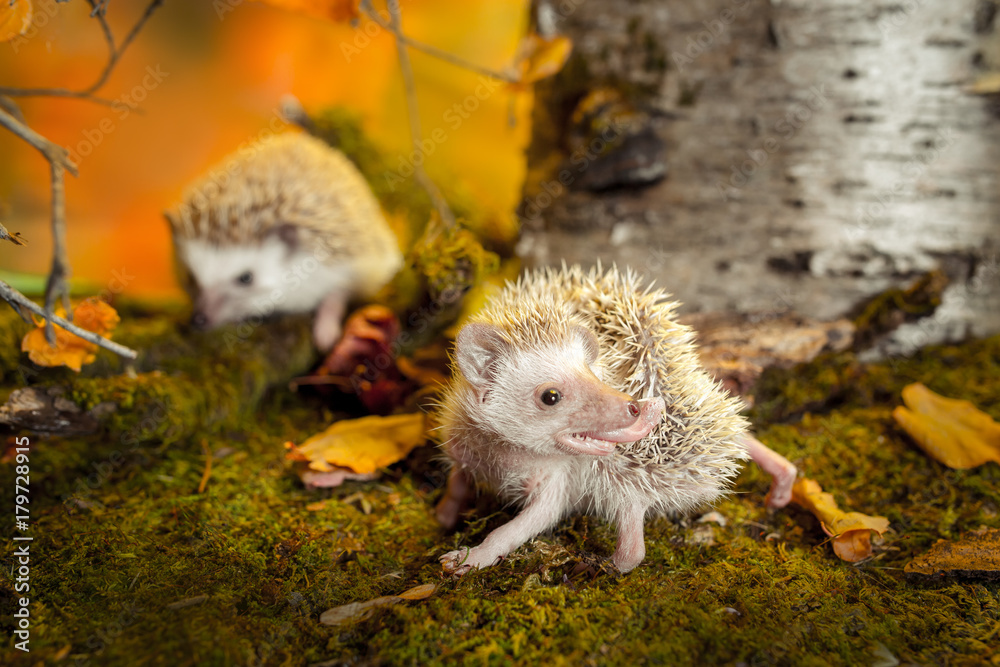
[209, 76]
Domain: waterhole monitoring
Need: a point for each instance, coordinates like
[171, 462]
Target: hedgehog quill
[287, 224]
[578, 392]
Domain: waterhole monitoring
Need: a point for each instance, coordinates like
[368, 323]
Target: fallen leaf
[15, 18]
[363, 445]
[70, 350]
[851, 531]
[950, 431]
[539, 58]
[976, 556]
[363, 362]
[356, 611]
[335, 10]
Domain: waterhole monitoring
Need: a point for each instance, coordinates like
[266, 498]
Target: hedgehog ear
[476, 350]
[586, 337]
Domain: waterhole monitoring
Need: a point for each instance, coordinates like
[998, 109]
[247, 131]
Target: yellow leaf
[953, 432]
[335, 10]
[850, 530]
[70, 350]
[539, 58]
[363, 445]
[15, 18]
[421, 592]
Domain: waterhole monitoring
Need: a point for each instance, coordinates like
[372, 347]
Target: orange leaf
[70, 350]
[363, 445]
[335, 10]
[15, 18]
[953, 432]
[539, 58]
[850, 530]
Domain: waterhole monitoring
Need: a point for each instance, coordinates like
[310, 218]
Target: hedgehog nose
[199, 320]
[633, 408]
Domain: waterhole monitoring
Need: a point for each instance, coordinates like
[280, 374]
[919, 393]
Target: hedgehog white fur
[636, 426]
[286, 224]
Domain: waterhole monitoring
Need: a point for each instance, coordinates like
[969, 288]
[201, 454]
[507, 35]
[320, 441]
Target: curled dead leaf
[950, 431]
[70, 350]
[356, 611]
[15, 18]
[851, 531]
[362, 445]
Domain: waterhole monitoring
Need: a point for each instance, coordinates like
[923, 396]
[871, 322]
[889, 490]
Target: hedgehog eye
[245, 278]
[551, 396]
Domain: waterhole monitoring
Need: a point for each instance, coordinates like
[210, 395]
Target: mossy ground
[120, 538]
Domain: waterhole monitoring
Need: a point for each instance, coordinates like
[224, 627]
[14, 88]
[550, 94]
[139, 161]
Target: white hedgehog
[579, 392]
[287, 224]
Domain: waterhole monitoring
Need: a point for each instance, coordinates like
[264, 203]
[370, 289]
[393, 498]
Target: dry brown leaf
[335, 10]
[951, 431]
[850, 530]
[15, 18]
[356, 611]
[364, 445]
[70, 350]
[539, 58]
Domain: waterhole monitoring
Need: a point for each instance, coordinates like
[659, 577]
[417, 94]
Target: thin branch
[10, 106]
[114, 54]
[392, 26]
[56, 284]
[413, 113]
[12, 296]
[50, 151]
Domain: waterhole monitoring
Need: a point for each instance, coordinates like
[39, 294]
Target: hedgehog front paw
[463, 560]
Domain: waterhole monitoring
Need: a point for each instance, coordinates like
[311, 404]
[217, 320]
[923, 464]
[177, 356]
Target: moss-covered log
[183, 381]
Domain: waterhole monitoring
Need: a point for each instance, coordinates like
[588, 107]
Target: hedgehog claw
[457, 562]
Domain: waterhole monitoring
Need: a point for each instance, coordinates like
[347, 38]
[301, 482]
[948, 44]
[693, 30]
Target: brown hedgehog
[579, 392]
[287, 224]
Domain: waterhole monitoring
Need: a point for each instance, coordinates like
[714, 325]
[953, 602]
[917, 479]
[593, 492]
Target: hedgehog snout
[199, 320]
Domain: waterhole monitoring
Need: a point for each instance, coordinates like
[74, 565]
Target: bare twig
[114, 54]
[58, 158]
[413, 113]
[56, 285]
[12, 296]
[392, 26]
[52, 152]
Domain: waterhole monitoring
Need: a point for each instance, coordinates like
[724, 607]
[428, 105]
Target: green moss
[109, 564]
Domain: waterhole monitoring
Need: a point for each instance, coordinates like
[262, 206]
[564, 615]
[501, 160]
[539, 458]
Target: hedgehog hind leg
[456, 498]
[631, 547]
[781, 470]
[327, 326]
